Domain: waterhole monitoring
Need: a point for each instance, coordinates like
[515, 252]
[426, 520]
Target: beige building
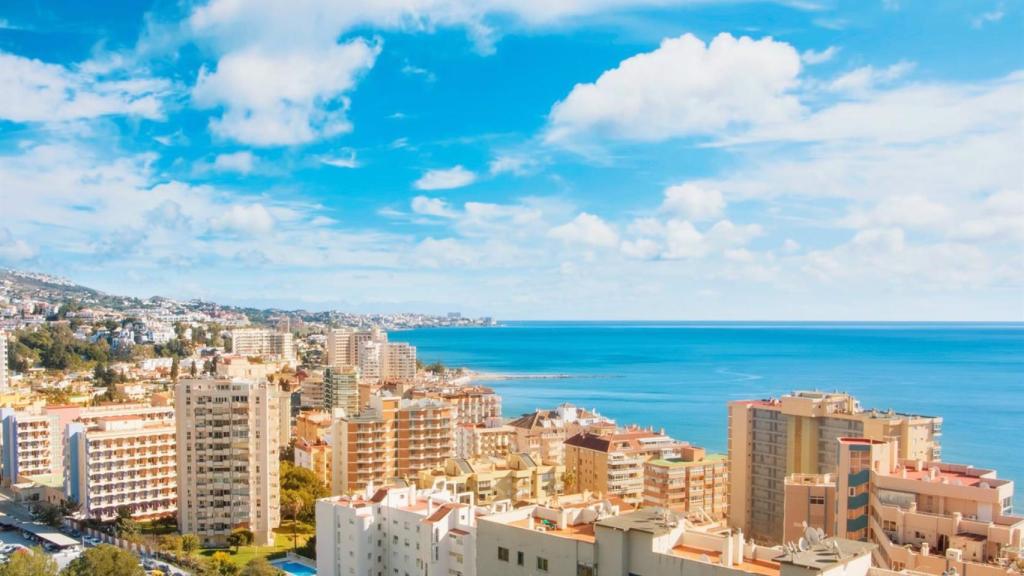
[425, 434]
[484, 481]
[32, 445]
[341, 389]
[263, 342]
[228, 437]
[810, 501]
[474, 405]
[796, 434]
[314, 456]
[611, 462]
[239, 366]
[479, 440]
[544, 432]
[924, 516]
[586, 538]
[123, 459]
[364, 447]
[4, 381]
[696, 483]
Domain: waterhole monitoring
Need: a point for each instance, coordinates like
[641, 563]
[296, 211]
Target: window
[520, 557]
[817, 500]
[584, 570]
[542, 564]
[502, 554]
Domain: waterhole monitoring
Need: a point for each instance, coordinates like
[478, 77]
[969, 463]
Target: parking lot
[12, 539]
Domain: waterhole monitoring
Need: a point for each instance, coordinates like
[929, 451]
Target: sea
[679, 375]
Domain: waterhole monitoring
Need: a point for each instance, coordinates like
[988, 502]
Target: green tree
[171, 544]
[260, 567]
[189, 544]
[32, 562]
[125, 525]
[106, 560]
[175, 368]
[309, 548]
[219, 564]
[240, 537]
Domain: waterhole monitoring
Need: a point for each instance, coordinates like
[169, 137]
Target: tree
[309, 548]
[172, 544]
[219, 564]
[175, 368]
[292, 502]
[189, 544]
[192, 369]
[240, 537]
[126, 526]
[32, 562]
[260, 566]
[107, 560]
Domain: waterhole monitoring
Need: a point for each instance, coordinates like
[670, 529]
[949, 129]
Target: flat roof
[680, 463]
[762, 567]
[583, 532]
[826, 554]
[651, 520]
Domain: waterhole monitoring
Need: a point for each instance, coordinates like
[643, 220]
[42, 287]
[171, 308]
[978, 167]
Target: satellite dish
[813, 535]
[802, 545]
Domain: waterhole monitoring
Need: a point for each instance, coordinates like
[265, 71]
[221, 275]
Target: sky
[523, 159]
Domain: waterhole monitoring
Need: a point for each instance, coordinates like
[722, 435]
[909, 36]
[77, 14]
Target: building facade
[612, 461]
[796, 434]
[263, 342]
[695, 483]
[341, 389]
[228, 436]
[515, 478]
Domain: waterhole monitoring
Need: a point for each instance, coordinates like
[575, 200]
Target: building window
[584, 570]
[502, 554]
[542, 564]
[817, 500]
[520, 557]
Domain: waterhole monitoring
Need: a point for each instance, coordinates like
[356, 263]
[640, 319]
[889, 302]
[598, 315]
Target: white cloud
[790, 246]
[868, 77]
[994, 15]
[347, 159]
[34, 91]
[432, 207]
[511, 163]
[283, 97]
[411, 70]
[241, 162]
[813, 57]
[916, 211]
[14, 249]
[445, 179]
[683, 88]
[586, 229]
[693, 202]
[252, 219]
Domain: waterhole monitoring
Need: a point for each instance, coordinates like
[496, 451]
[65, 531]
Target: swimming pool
[294, 568]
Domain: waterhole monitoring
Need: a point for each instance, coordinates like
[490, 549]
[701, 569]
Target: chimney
[925, 548]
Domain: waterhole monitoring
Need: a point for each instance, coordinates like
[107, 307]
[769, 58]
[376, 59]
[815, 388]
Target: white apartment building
[370, 368]
[124, 459]
[397, 362]
[228, 436]
[263, 342]
[396, 530]
[344, 344]
[31, 445]
[4, 382]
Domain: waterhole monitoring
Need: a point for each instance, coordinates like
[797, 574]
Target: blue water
[295, 569]
[680, 375]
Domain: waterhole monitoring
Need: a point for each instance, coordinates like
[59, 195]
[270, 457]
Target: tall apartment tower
[228, 437]
[344, 345]
[263, 342]
[397, 362]
[341, 389]
[4, 383]
[797, 434]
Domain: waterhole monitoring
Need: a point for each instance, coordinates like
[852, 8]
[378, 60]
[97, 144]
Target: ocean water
[679, 376]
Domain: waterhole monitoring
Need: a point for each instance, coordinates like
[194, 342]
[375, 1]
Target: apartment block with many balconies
[228, 438]
[696, 483]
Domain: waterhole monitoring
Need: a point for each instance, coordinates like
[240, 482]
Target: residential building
[578, 537]
[696, 483]
[242, 367]
[341, 389]
[484, 440]
[397, 362]
[810, 501]
[543, 432]
[344, 345]
[32, 445]
[311, 392]
[364, 447]
[474, 405]
[123, 460]
[263, 342]
[395, 530]
[370, 369]
[796, 434]
[228, 438]
[313, 455]
[4, 377]
[483, 481]
[425, 433]
[928, 517]
[611, 462]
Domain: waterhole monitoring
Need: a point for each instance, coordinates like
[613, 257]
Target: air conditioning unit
[955, 554]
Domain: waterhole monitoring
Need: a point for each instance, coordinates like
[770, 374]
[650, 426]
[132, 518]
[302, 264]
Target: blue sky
[648, 159]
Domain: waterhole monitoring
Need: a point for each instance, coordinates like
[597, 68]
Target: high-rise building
[263, 342]
[4, 382]
[370, 361]
[123, 460]
[228, 437]
[612, 462]
[395, 530]
[32, 445]
[926, 517]
[474, 405]
[425, 433]
[696, 483]
[796, 434]
[341, 389]
[344, 345]
[397, 362]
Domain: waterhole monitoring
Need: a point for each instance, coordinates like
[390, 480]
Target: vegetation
[107, 560]
[54, 347]
[219, 564]
[32, 562]
[125, 526]
[300, 489]
[240, 537]
[260, 567]
[189, 544]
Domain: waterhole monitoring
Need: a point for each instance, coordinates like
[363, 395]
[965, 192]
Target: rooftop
[763, 567]
[583, 532]
[827, 554]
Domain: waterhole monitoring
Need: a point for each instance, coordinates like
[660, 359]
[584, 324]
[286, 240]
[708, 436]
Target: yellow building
[516, 478]
[694, 484]
[796, 434]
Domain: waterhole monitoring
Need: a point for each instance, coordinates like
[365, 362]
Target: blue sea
[679, 375]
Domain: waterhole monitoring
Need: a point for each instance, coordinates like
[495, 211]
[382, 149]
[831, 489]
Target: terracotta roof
[441, 512]
[589, 441]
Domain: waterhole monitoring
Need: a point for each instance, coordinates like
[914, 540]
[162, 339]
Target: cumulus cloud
[693, 202]
[683, 88]
[445, 179]
[252, 219]
[273, 97]
[586, 229]
[35, 91]
[432, 207]
[241, 162]
[14, 249]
